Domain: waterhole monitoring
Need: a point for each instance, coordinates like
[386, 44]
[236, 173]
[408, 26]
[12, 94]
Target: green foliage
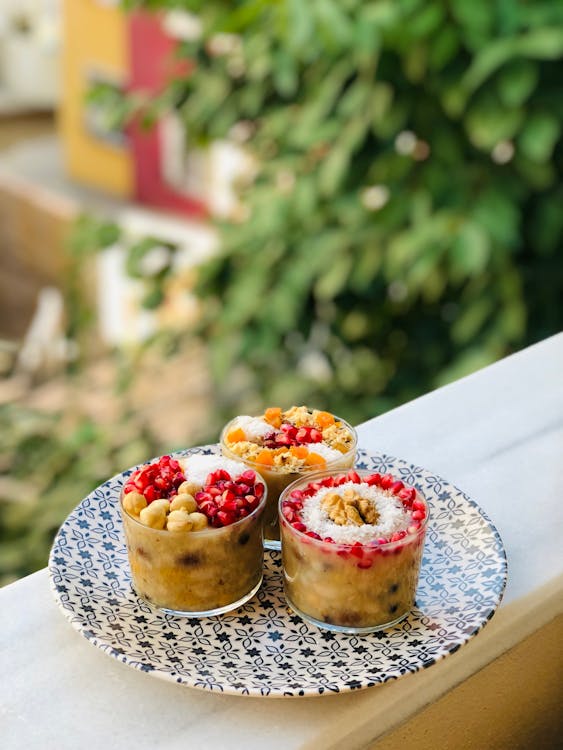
[48, 463]
[407, 197]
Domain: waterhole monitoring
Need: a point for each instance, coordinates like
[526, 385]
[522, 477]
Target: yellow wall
[94, 41]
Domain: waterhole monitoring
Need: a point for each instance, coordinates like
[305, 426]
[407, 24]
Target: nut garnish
[349, 508]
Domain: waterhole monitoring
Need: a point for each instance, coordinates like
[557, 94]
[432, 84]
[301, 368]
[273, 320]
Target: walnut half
[349, 509]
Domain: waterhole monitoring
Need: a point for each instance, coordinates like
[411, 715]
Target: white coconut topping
[254, 428]
[197, 467]
[392, 516]
[324, 450]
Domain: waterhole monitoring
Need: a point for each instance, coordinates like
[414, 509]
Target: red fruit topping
[296, 495]
[419, 505]
[373, 479]
[226, 517]
[386, 481]
[327, 482]
[408, 493]
[151, 493]
[289, 514]
[313, 535]
[396, 487]
[298, 526]
[329, 539]
[364, 564]
[248, 476]
[174, 464]
[178, 479]
[128, 488]
[398, 535]
[353, 476]
[357, 550]
[259, 491]
[418, 515]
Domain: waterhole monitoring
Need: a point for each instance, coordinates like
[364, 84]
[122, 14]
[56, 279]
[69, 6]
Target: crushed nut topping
[349, 509]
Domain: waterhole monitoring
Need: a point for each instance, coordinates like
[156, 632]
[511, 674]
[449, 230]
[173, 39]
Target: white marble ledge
[497, 434]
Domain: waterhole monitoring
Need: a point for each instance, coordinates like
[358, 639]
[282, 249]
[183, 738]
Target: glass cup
[278, 478]
[196, 573]
[349, 588]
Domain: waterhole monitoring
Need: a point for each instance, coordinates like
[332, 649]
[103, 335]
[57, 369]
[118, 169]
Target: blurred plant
[48, 463]
[404, 225]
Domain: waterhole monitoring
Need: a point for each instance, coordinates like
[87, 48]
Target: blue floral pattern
[263, 648]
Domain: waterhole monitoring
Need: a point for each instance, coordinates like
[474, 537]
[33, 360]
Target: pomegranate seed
[243, 489]
[160, 483]
[357, 550]
[340, 480]
[151, 493]
[313, 535]
[242, 513]
[251, 501]
[164, 460]
[225, 517]
[315, 436]
[364, 564]
[229, 505]
[328, 539]
[418, 515]
[386, 481]
[396, 487]
[413, 528]
[398, 535]
[178, 479]
[213, 491]
[174, 464]
[248, 476]
[328, 482]
[419, 505]
[288, 514]
[373, 479]
[128, 488]
[343, 552]
[353, 476]
[201, 497]
[297, 495]
[298, 526]
[382, 540]
[259, 491]
[228, 496]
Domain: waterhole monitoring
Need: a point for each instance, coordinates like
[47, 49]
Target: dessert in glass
[352, 547]
[193, 527]
[286, 445]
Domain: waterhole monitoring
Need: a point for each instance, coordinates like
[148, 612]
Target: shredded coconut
[254, 428]
[392, 516]
[197, 467]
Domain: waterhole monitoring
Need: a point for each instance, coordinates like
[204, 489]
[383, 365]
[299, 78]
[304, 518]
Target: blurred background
[207, 208]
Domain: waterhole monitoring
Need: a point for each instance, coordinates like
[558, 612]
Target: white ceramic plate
[263, 649]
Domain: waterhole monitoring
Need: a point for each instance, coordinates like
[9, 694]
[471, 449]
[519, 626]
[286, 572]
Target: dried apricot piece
[313, 459]
[299, 451]
[324, 419]
[236, 435]
[265, 458]
[273, 416]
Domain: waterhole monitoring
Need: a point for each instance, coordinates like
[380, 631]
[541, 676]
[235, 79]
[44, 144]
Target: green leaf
[539, 135]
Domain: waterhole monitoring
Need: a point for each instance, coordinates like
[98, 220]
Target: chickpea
[188, 488]
[154, 515]
[185, 501]
[199, 521]
[179, 520]
[133, 503]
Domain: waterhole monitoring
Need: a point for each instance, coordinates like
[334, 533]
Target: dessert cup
[352, 587]
[196, 573]
[278, 477]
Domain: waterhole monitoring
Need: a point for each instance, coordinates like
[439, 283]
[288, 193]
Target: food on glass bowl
[285, 445]
[352, 547]
[194, 535]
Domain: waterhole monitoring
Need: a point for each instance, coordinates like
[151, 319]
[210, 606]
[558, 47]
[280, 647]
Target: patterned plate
[263, 649]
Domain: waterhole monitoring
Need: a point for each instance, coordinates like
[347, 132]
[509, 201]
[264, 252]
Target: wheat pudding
[194, 535]
[286, 445]
[352, 547]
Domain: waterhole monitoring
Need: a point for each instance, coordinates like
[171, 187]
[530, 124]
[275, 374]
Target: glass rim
[207, 529]
[303, 471]
[331, 545]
